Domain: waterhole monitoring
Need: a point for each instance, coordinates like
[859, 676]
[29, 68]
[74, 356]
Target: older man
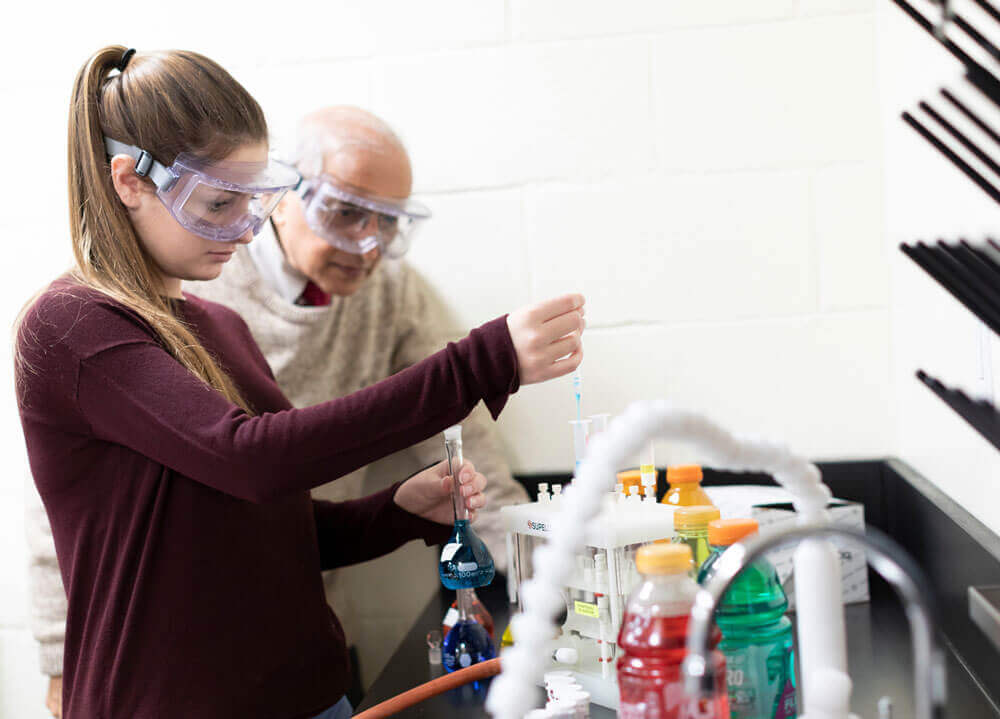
[334, 309]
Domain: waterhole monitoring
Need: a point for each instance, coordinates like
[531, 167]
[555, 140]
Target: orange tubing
[398, 703]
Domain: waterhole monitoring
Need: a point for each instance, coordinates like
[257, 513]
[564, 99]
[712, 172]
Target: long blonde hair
[166, 103]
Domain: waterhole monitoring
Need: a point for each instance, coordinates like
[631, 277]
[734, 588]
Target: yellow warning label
[587, 610]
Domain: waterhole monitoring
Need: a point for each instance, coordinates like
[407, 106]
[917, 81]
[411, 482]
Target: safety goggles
[216, 200]
[358, 223]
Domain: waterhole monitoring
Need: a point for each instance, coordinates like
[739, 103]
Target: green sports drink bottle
[756, 635]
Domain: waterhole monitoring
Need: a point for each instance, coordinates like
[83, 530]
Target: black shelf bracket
[980, 414]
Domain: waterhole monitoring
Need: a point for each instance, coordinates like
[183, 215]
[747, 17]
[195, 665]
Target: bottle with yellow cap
[691, 528]
[756, 635]
[653, 637]
[685, 487]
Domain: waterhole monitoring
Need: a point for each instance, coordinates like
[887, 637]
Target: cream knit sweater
[319, 353]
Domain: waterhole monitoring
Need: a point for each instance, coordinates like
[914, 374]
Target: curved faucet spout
[884, 555]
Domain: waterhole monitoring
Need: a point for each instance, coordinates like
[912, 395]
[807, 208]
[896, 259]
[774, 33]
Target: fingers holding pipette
[546, 337]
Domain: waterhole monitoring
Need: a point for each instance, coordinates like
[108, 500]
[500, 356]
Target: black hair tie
[125, 58]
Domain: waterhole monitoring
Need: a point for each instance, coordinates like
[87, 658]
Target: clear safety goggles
[216, 200]
[357, 223]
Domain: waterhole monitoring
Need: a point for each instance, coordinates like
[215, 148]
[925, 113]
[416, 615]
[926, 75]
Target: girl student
[174, 472]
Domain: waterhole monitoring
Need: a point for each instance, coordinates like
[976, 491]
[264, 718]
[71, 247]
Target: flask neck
[454, 449]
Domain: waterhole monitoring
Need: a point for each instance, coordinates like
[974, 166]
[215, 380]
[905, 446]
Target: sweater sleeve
[46, 594]
[129, 391]
[361, 529]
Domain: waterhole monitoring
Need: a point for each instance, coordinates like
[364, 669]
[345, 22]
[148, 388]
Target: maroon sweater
[189, 546]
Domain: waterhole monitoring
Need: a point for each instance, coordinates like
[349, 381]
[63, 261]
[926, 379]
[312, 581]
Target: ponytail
[166, 103]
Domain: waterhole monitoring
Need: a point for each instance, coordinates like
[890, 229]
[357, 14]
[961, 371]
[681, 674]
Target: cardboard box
[853, 563]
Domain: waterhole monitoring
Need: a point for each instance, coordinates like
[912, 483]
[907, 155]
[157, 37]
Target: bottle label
[586, 609]
[450, 618]
[759, 681]
[668, 700]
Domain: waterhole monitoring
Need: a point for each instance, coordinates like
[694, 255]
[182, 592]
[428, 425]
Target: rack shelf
[980, 414]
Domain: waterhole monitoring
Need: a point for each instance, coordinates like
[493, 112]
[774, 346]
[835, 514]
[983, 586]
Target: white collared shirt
[273, 266]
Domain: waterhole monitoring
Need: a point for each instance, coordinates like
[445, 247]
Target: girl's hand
[428, 493]
[546, 338]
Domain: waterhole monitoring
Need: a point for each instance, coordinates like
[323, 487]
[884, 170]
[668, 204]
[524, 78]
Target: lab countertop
[879, 656]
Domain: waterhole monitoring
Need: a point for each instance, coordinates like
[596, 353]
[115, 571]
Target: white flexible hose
[512, 692]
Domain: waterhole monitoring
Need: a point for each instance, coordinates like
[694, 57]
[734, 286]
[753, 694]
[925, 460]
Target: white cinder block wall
[708, 173]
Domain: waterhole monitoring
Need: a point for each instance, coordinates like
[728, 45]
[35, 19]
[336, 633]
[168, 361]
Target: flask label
[449, 551]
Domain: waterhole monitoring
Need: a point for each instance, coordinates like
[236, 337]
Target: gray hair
[314, 138]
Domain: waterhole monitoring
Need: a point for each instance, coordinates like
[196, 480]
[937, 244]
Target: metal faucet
[884, 555]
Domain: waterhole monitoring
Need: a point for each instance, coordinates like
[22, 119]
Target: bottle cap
[663, 558]
[452, 433]
[723, 532]
[696, 517]
[684, 474]
[630, 476]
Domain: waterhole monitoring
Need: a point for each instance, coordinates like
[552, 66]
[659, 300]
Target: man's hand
[428, 494]
[54, 698]
[546, 338]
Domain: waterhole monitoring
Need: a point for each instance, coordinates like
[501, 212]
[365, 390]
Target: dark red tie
[313, 296]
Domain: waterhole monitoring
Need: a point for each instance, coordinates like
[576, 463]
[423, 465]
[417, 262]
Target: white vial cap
[566, 655]
[453, 432]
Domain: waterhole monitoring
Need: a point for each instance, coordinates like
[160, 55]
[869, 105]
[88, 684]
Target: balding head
[355, 148]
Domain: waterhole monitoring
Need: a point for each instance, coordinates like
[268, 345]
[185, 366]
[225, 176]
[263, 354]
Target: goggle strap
[145, 165]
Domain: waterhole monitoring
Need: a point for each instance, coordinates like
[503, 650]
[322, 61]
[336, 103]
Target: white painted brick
[676, 249]
[788, 94]
[549, 19]
[287, 92]
[340, 29]
[819, 384]
[22, 685]
[534, 424]
[854, 272]
[497, 117]
[834, 7]
[485, 226]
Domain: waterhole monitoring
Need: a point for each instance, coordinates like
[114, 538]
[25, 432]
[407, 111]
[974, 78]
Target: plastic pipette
[578, 391]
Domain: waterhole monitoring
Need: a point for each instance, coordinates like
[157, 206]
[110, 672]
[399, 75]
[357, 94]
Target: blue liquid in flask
[465, 562]
[467, 642]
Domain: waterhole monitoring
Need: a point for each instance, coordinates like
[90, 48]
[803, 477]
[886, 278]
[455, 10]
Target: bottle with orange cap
[685, 487]
[653, 640]
[756, 635]
[628, 479]
[691, 528]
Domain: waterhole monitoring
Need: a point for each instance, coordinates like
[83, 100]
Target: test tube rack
[600, 582]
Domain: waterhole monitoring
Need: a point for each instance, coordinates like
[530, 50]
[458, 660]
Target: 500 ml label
[466, 569]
